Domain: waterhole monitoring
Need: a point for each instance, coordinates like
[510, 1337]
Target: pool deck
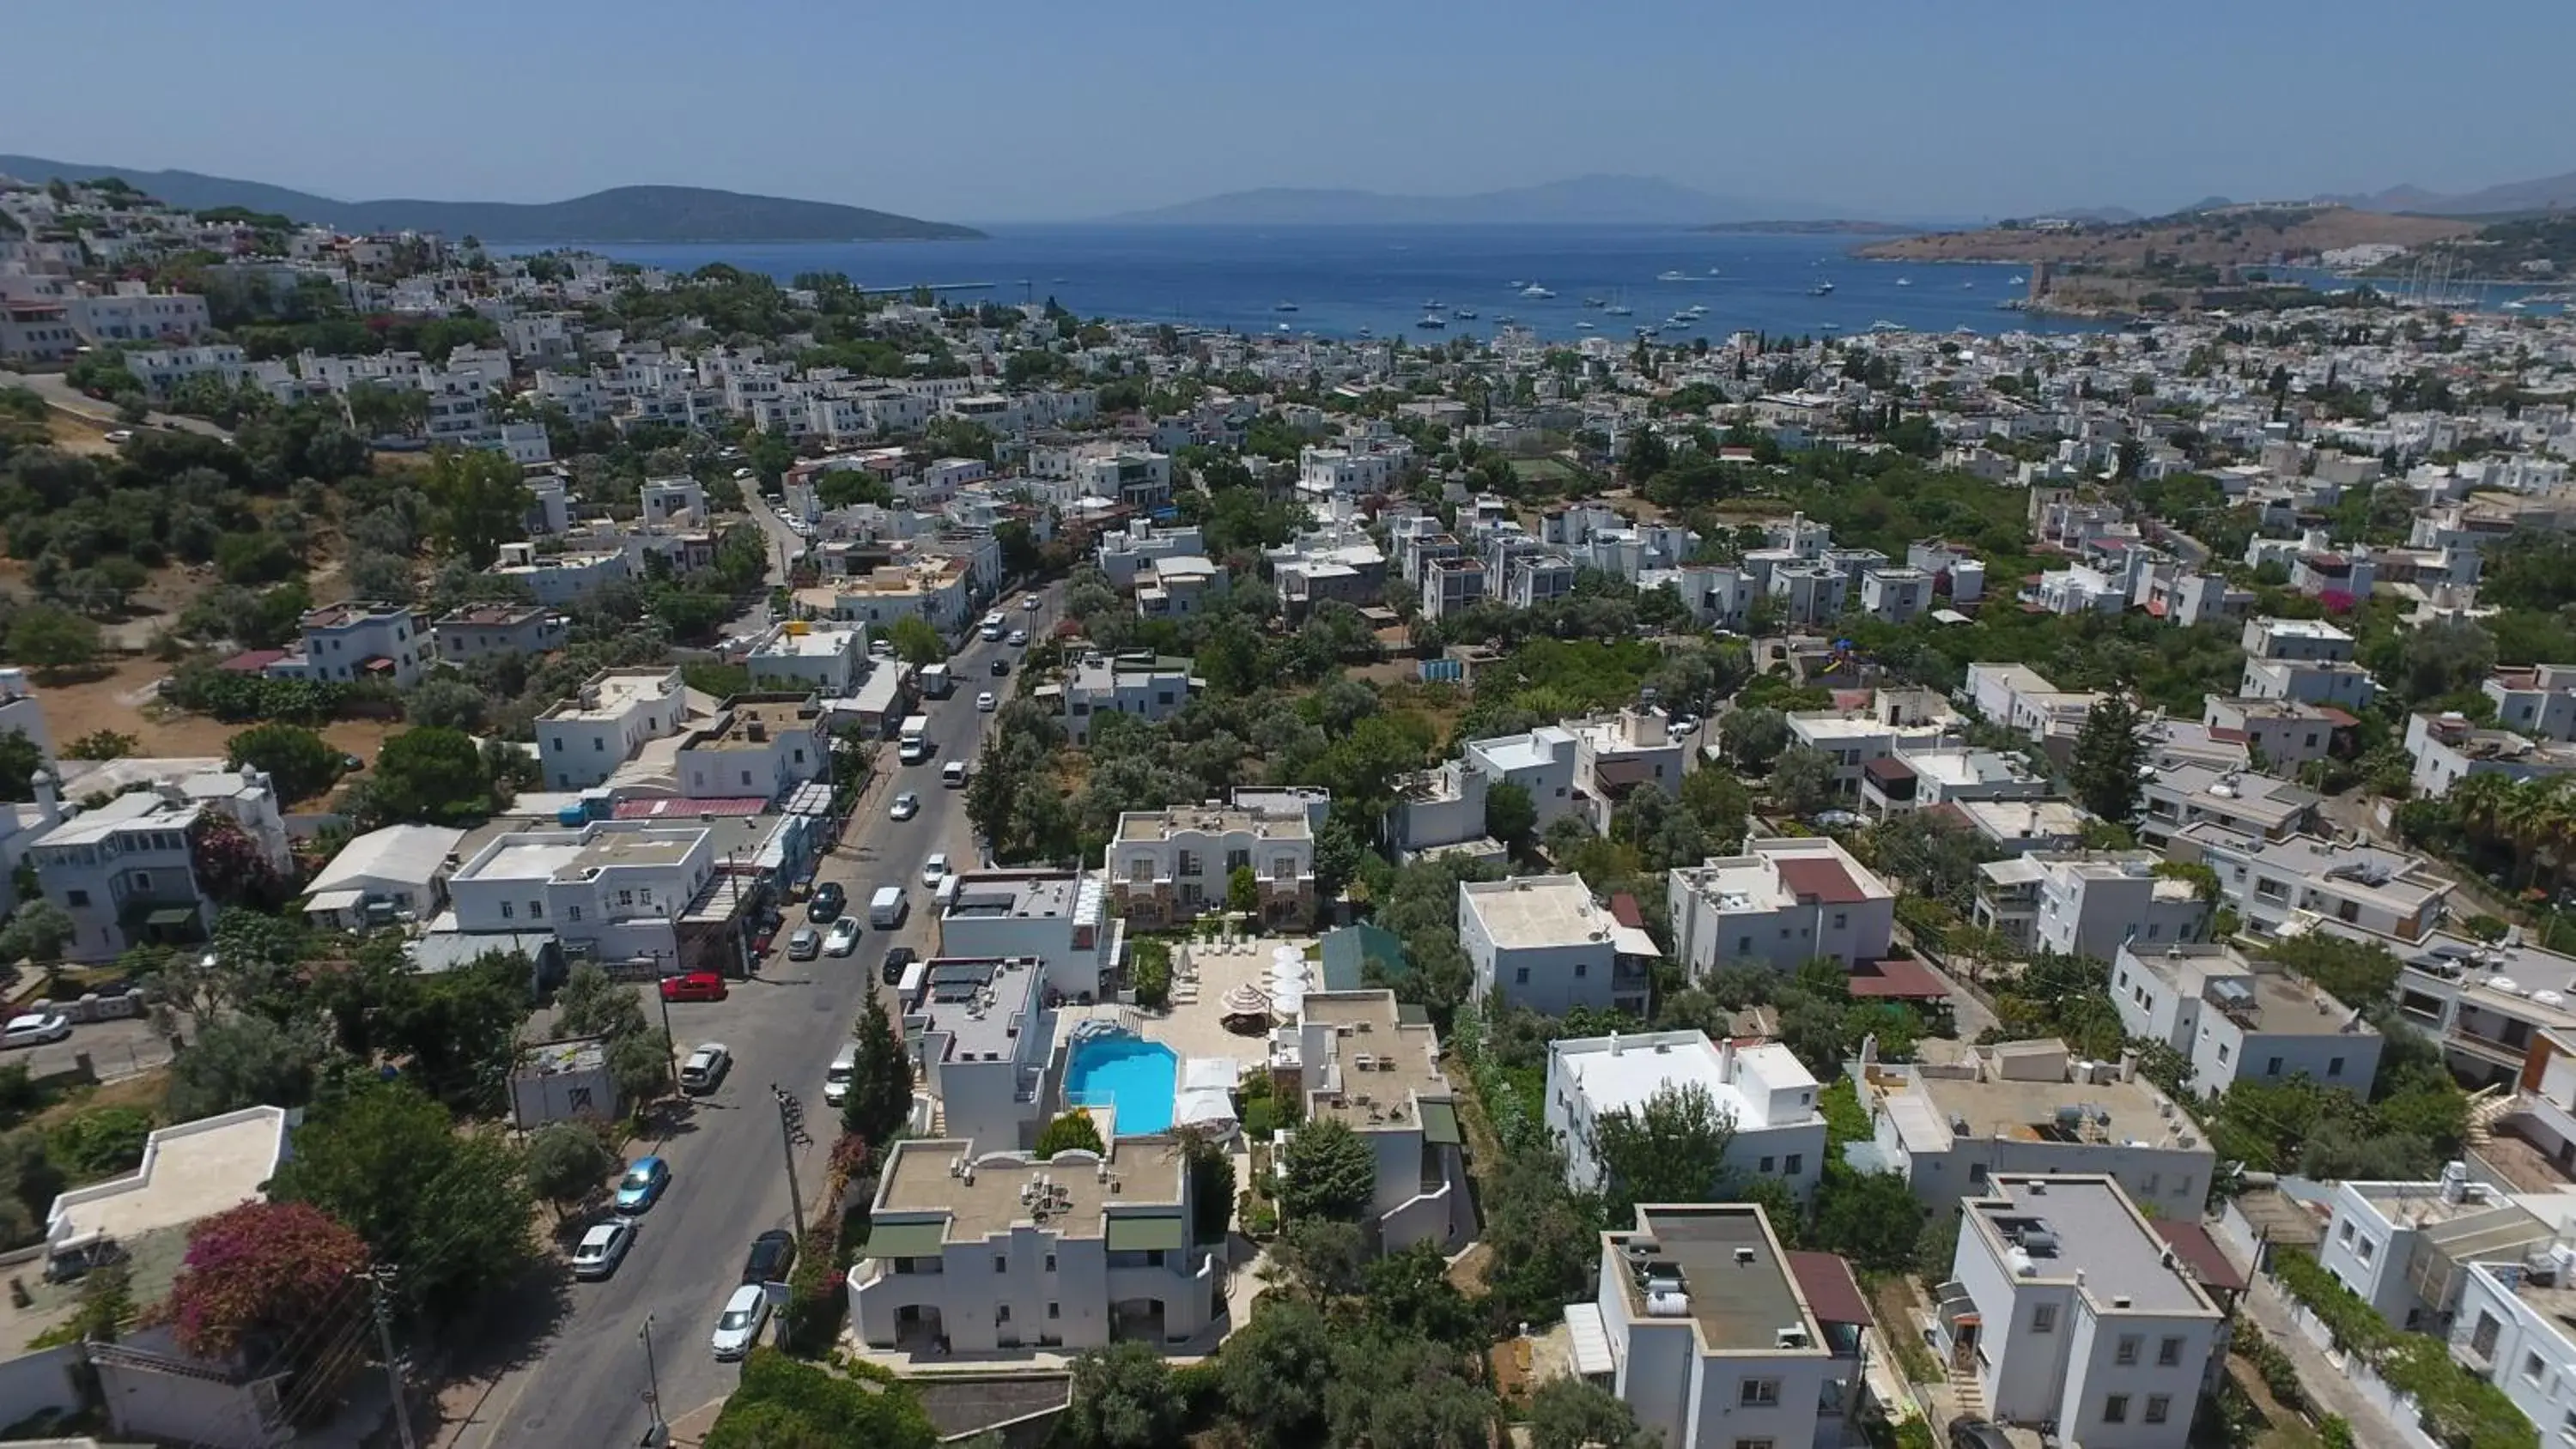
[1197, 1028]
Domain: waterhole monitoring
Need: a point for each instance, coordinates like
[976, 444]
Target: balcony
[2485, 1048]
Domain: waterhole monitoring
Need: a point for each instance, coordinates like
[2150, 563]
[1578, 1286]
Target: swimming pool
[1133, 1077]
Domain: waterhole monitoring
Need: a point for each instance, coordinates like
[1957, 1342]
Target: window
[2115, 1409]
[2531, 1367]
[1050, 1262]
[2223, 1050]
[2168, 1352]
[2272, 1068]
[1002, 1313]
[1758, 1393]
[626, 898]
[508, 911]
[2334, 1067]
[2043, 1318]
[1797, 1161]
[1582, 969]
[573, 912]
[1055, 1310]
[1001, 1264]
[77, 898]
[2157, 1405]
[2368, 1250]
[558, 744]
[1841, 919]
[536, 910]
[598, 746]
[1520, 976]
[2128, 1350]
[1766, 1164]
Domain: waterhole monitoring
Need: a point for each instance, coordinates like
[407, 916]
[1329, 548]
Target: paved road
[729, 1182]
[63, 397]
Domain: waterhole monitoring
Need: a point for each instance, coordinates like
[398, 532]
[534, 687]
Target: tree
[640, 1064]
[1320, 1259]
[1802, 781]
[1572, 1413]
[1327, 1172]
[47, 638]
[265, 1271]
[102, 745]
[448, 1209]
[1753, 737]
[1511, 817]
[243, 1061]
[1673, 1149]
[567, 1162]
[2443, 658]
[20, 758]
[446, 704]
[590, 1004]
[784, 1404]
[1211, 1185]
[1868, 1217]
[915, 642]
[2108, 756]
[1274, 1373]
[1123, 1398]
[1242, 890]
[300, 763]
[1072, 1132]
[1410, 1291]
[478, 501]
[37, 931]
[880, 1099]
[428, 776]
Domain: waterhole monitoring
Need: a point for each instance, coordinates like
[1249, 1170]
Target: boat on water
[1582, 326]
[1462, 314]
[1535, 290]
[1883, 325]
[1967, 286]
[1694, 311]
[1431, 322]
[1283, 307]
[2516, 305]
[1505, 317]
[1430, 304]
[1905, 281]
[1672, 276]
[1515, 286]
[2015, 280]
[1364, 332]
[1714, 272]
[1596, 301]
[1620, 309]
[1821, 289]
[1283, 326]
[1829, 327]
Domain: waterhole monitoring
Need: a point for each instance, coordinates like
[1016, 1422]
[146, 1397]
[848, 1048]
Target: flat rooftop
[342, 616]
[2027, 1111]
[2230, 792]
[1649, 1063]
[754, 722]
[922, 1177]
[1738, 1304]
[2276, 1002]
[819, 640]
[190, 1171]
[983, 1005]
[1404, 1057]
[612, 695]
[1018, 895]
[2097, 1233]
[1137, 825]
[2023, 819]
[1536, 911]
[2400, 881]
[493, 614]
[1534, 750]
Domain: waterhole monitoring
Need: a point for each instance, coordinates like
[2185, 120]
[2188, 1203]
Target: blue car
[642, 1185]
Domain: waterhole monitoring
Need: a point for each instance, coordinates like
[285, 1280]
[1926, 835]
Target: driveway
[123, 1047]
[727, 1156]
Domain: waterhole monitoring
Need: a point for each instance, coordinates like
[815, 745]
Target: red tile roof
[252, 661]
[1888, 767]
[1623, 909]
[1895, 980]
[1825, 880]
[1832, 1294]
[2200, 1252]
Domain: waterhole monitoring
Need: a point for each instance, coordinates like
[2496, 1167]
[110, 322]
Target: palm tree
[2478, 802]
[2527, 818]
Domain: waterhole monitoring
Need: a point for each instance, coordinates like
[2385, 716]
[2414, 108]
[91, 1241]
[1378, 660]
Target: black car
[772, 1253]
[1001, 666]
[895, 962]
[828, 903]
[1976, 1434]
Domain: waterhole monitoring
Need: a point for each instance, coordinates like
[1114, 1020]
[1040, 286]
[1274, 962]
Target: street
[728, 1176]
[64, 397]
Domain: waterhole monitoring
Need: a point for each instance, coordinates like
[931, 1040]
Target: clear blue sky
[1023, 109]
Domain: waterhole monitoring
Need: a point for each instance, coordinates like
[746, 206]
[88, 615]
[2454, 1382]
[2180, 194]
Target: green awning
[171, 916]
[1146, 1235]
[1440, 1124]
[906, 1240]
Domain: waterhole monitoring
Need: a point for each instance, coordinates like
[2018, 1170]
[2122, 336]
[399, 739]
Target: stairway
[2490, 1105]
[1970, 1394]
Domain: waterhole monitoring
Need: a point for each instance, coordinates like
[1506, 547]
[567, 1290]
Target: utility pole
[660, 1432]
[791, 1130]
[379, 1279]
[670, 1043]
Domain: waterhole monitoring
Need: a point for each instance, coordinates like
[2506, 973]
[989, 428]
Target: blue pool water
[1134, 1077]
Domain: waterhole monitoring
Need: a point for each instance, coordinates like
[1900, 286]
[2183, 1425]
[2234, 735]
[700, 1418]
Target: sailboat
[1619, 307]
[1821, 289]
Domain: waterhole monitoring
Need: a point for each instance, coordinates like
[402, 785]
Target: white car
[934, 869]
[844, 938]
[602, 1249]
[906, 806]
[738, 1328]
[1031, 604]
[705, 1068]
[1019, 638]
[120, 436]
[985, 703]
[35, 1029]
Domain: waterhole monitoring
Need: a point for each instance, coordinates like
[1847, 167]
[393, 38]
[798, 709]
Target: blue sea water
[1343, 279]
[1139, 1079]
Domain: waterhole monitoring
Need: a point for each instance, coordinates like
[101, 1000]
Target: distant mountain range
[621, 214]
[1618, 200]
[2548, 193]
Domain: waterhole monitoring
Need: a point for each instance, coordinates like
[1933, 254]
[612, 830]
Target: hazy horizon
[1037, 113]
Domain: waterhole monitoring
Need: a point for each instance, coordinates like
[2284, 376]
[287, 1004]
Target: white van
[836, 1078]
[993, 626]
[945, 894]
[953, 775]
[887, 907]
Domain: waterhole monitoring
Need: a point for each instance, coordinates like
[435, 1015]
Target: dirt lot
[123, 700]
[78, 435]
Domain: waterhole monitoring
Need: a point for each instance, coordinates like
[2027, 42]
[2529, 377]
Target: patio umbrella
[1287, 1000]
[1281, 955]
[1246, 1000]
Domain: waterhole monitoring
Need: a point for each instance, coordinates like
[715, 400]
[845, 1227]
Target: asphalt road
[729, 1181]
[64, 397]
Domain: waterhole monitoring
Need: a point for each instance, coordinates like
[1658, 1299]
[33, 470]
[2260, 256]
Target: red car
[695, 986]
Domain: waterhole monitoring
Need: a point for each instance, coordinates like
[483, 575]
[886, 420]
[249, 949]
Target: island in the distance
[1833, 227]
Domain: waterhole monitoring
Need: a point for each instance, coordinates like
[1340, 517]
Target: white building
[558, 580]
[1151, 690]
[1895, 595]
[974, 1249]
[2182, 794]
[978, 1035]
[822, 656]
[1895, 721]
[126, 873]
[1717, 1338]
[2538, 700]
[1057, 917]
[398, 873]
[1178, 586]
[1783, 903]
[2071, 1310]
[583, 740]
[351, 642]
[2236, 1023]
[2278, 886]
[1762, 1090]
[2406, 1247]
[484, 631]
[2022, 700]
[759, 746]
[1358, 1061]
[1167, 866]
[1542, 942]
[1614, 754]
[1142, 544]
[614, 889]
[2087, 903]
[2448, 749]
[1964, 1114]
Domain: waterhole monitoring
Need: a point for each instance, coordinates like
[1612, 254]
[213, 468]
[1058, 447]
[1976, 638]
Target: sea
[1342, 281]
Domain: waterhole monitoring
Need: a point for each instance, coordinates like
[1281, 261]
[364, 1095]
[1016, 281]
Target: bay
[1343, 279]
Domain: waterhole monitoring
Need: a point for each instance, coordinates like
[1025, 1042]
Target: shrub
[100, 1142]
[1153, 975]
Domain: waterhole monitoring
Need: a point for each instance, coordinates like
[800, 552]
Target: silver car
[602, 1249]
[738, 1327]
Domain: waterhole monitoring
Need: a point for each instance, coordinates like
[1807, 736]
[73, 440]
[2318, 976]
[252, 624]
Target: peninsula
[2244, 235]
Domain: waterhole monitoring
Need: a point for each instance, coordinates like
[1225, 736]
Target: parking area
[124, 1047]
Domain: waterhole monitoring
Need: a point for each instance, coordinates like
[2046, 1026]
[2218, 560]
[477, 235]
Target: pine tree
[880, 1079]
[2108, 756]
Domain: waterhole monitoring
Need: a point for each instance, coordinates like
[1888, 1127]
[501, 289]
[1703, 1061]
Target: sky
[1015, 110]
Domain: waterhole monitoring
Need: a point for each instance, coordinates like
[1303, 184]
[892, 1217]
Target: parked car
[906, 806]
[897, 960]
[804, 944]
[772, 1253]
[35, 1028]
[642, 1185]
[738, 1327]
[985, 703]
[705, 1068]
[694, 986]
[602, 1249]
[844, 937]
[933, 868]
[120, 436]
[830, 899]
[1976, 1434]
[836, 1077]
